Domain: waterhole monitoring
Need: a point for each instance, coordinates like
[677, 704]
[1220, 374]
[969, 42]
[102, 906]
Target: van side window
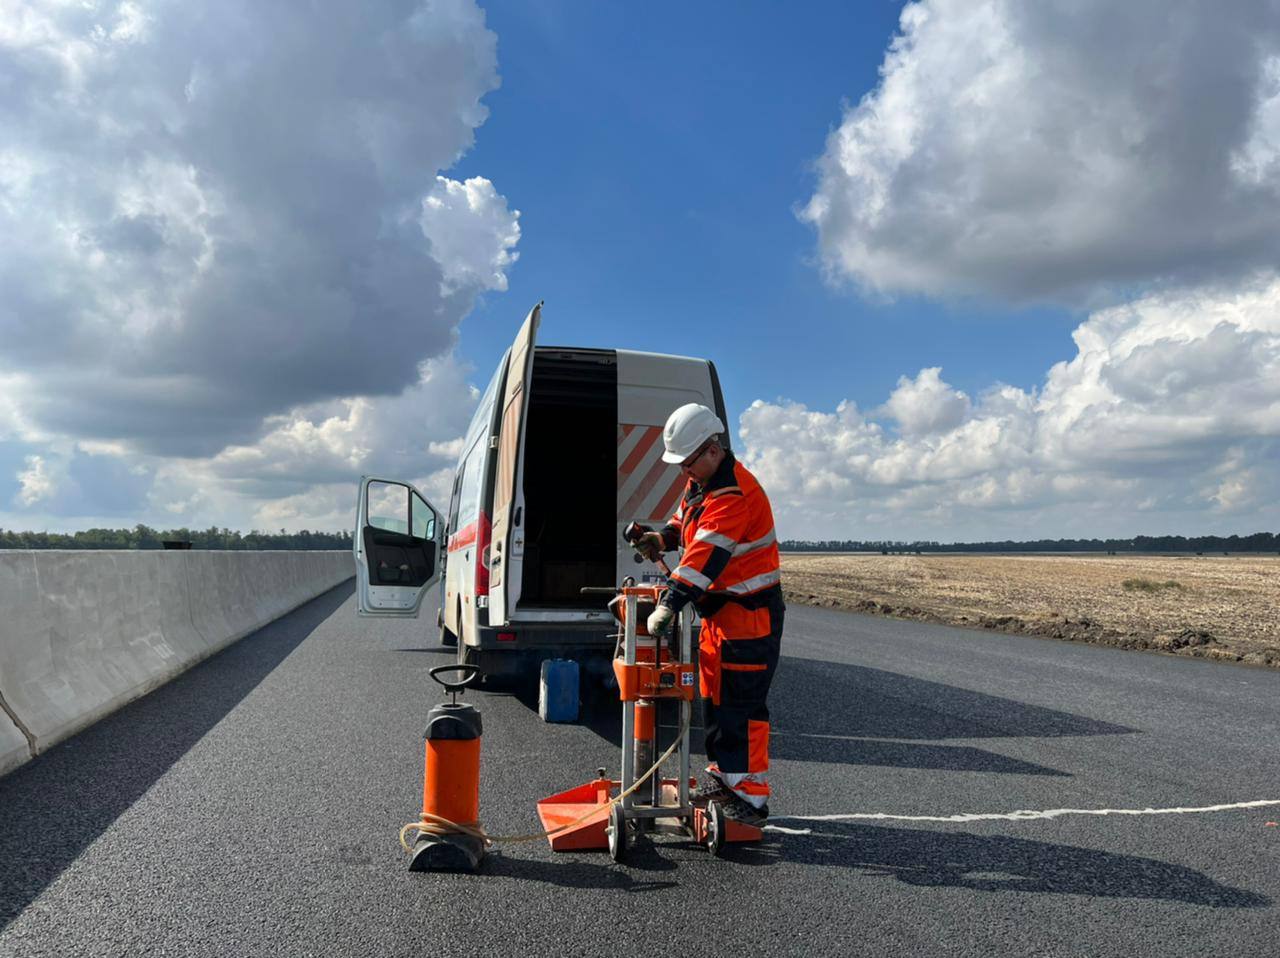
[469, 494]
[491, 391]
[481, 418]
[456, 498]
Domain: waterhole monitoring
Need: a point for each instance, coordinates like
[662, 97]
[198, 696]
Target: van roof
[630, 352]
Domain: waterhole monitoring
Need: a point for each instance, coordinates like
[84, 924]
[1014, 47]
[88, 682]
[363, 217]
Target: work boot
[709, 789]
[744, 813]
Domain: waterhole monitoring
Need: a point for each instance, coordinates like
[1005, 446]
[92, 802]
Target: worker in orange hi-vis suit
[729, 571]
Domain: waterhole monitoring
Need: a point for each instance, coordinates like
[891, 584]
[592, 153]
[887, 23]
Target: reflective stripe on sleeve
[691, 576]
[754, 584]
[716, 539]
[745, 547]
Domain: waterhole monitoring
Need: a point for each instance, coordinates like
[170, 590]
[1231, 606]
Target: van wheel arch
[447, 638]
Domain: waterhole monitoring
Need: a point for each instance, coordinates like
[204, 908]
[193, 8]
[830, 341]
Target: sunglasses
[687, 463]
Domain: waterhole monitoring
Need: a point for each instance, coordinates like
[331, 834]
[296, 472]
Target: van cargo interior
[570, 478]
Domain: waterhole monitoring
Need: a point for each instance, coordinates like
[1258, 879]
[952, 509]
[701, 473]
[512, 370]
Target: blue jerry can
[558, 690]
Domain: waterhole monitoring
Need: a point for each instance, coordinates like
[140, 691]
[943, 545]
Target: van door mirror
[397, 548]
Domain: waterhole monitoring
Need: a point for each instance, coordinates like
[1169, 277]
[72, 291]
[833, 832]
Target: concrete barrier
[13, 745]
[83, 633]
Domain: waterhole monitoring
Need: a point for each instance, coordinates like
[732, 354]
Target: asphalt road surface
[251, 807]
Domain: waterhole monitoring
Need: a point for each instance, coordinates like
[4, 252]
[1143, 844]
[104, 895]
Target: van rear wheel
[447, 638]
[473, 657]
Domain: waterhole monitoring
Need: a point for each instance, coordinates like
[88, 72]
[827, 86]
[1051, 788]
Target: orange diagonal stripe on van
[668, 500]
[638, 453]
[646, 486]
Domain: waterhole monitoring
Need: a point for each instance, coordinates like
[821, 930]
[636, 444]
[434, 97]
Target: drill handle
[632, 533]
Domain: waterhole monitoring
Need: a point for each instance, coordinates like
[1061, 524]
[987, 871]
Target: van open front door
[397, 549]
[507, 551]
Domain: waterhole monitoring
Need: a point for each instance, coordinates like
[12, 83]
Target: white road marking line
[1022, 815]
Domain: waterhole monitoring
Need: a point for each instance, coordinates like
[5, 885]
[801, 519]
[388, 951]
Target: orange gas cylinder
[451, 782]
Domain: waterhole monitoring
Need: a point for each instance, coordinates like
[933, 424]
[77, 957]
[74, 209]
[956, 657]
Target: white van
[563, 451]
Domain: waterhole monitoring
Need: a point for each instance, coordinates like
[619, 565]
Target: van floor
[570, 479]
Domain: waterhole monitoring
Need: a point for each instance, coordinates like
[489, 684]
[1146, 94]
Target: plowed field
[1221, 607]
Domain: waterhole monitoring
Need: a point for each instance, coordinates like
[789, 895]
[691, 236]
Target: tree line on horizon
[1257, 542]
[144, 537]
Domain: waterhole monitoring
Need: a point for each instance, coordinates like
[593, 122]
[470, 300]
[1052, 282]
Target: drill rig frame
[641, 802]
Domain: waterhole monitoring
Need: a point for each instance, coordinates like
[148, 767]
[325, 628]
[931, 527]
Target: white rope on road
[1023, 815]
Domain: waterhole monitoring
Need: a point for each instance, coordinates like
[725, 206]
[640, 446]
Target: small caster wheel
[715, 828]
[617, 832]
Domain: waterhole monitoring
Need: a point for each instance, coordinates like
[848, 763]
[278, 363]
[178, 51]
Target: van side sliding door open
[396, 544]
[507, 550]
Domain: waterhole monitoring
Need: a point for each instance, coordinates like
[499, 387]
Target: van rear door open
[396, 546]
[507, 549]
[650, 388]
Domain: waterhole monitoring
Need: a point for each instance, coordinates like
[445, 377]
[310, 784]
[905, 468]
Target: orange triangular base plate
[559, 810]
[566, 808]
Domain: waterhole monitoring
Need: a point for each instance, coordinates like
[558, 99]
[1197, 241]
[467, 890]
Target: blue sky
[657, 161]
[969, 269]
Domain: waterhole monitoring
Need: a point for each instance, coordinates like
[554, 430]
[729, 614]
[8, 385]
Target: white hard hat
[688, 428]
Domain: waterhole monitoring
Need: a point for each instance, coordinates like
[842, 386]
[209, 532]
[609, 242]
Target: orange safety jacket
[729, 568]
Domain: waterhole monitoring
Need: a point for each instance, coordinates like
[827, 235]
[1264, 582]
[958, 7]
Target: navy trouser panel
[737, 730]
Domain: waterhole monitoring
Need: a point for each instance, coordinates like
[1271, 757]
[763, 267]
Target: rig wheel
[617, 832]
[715, 828]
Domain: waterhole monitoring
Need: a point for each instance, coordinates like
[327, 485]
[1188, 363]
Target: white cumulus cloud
[232, 265]
[472, 233]
[1167, 418]
[211, 212]
[1025, 150]
[35, 481]
[926, 404]
[303, 471]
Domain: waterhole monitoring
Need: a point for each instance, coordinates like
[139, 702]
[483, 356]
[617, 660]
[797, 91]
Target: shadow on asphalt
[58, 804]
[993, 864]
[802, 747]
[573, 870]
[842, 714]
[914, 857]
[832, 698]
